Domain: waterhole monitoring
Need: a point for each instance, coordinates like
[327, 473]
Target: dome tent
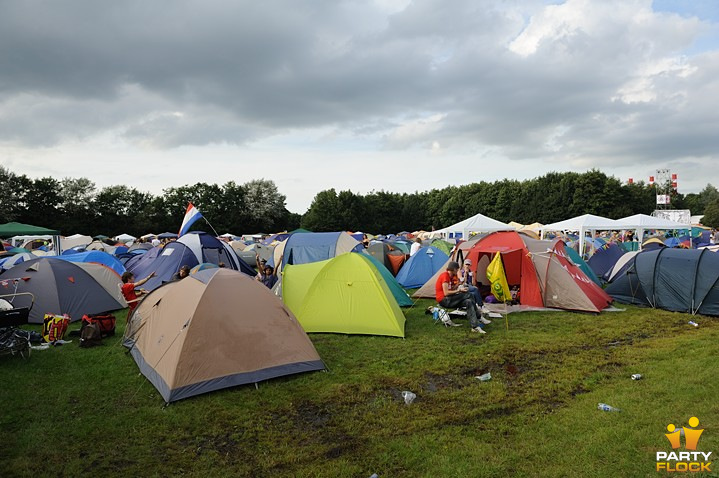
[62, 287]
[222, 329]
[679, 280]
[346, 295]
[421, 266]
[208, 248]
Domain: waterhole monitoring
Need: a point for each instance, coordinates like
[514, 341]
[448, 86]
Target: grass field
[77, 412]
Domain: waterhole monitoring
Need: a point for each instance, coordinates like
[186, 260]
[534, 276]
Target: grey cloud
[241, 71]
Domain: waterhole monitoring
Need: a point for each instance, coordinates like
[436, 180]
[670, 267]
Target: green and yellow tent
[345, 294]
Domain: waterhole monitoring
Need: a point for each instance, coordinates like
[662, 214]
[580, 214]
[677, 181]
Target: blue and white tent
[208, 248]
[10, 261]
[316, 246]
[421, 267]
[98, 257]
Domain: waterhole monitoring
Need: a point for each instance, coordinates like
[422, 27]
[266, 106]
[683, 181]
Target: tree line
[546, 199]
[76, 205]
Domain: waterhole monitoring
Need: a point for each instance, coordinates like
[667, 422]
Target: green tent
[443, 246]
[400, 295]
[345, 294]
[579, 262]
[17, 229]
[400, 246]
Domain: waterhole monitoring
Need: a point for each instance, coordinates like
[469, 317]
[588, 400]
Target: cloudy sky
[363, 95]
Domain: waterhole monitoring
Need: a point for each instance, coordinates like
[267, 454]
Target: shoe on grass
[485, 321]
[479, 330]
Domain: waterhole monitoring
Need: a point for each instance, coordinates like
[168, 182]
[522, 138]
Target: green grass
[73, 412]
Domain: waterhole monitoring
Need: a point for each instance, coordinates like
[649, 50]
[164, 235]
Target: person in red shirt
[450, 294]
[128, 289]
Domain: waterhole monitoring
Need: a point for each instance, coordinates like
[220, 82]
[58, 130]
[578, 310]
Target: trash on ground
[607, 408]
[484, 377]
[408, 397]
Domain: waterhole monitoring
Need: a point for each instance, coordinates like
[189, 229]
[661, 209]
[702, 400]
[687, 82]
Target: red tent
[545, 275]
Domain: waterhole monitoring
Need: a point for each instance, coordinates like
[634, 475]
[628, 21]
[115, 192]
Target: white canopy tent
[642, 222]
[477, 223]
[75, 240]
[125, 238]
[582, 224]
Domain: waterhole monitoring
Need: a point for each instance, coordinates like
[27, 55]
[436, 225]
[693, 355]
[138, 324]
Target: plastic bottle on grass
[484, 377]
[691, 322]
[607, 408]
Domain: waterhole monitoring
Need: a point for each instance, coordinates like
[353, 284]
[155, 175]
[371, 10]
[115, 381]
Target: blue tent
[605, 257]
[679, 280]
[208, 248]
[99, 257]
[403, 299]
[421, 267]
[133, 260]
[168, 261]
[317, 246]
[275, 237]
[8, 262]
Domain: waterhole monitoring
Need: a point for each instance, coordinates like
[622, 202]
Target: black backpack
[90, 335]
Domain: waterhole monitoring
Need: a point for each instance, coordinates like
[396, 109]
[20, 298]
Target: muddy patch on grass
[435, 382]
[311, 415]
[344, 445]
[579, 390]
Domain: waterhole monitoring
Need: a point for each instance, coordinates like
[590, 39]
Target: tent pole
[58, 249]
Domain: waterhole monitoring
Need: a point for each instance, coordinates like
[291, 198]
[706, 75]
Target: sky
[393, 95]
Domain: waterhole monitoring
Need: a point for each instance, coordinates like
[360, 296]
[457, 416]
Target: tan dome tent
[216, 329]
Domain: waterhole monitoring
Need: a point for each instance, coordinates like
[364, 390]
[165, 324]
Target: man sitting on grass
[451, 295]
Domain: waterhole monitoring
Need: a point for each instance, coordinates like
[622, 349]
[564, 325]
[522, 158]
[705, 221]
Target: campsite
[365, 238]
[342, 369]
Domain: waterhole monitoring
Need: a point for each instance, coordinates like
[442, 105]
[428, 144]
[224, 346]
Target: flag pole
[213, 229]
[506, 317]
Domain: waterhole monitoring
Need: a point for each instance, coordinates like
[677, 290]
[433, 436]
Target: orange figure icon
[691, 436]
[673, 436]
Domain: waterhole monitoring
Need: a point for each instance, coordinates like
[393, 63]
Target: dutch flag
[191, 215]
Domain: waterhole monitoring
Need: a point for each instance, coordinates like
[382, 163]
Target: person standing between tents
[267, 276]
[416, 246]
[128, 289]
[450, 294]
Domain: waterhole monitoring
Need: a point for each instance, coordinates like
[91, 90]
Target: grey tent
[680, 280]
[61, 287]
[379, 251]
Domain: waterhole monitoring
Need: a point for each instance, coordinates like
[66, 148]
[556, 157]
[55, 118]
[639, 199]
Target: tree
[265, 205]
[711, 214]
[120, 209]
[9, 207]
[76, 196]
[42, 203]
[323, 214]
